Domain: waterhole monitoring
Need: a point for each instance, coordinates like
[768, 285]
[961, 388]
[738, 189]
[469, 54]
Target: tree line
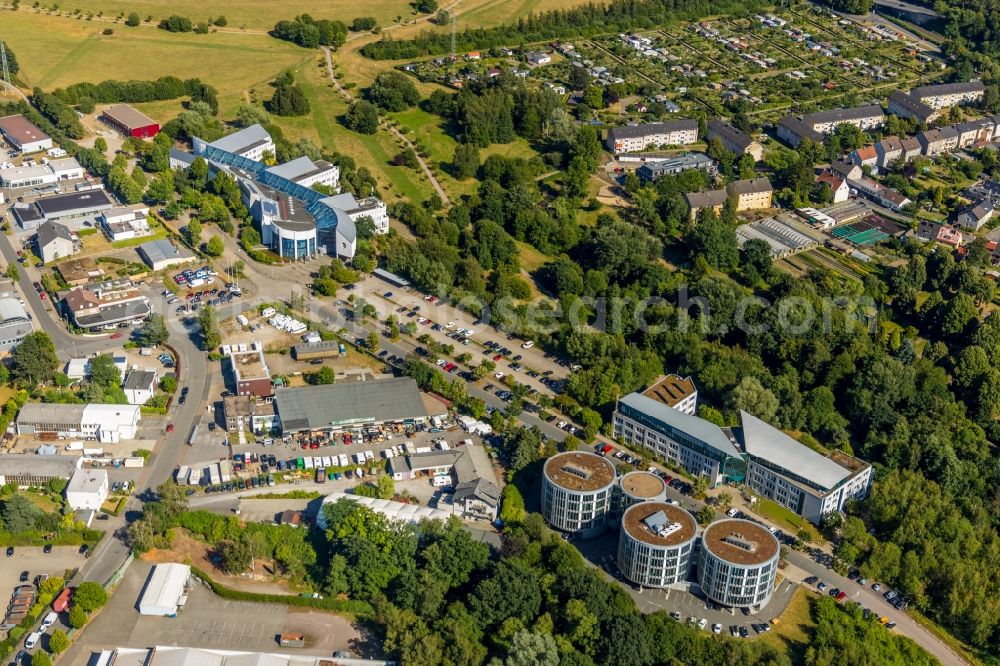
[582, 21]
[132, 92]
[311, 33]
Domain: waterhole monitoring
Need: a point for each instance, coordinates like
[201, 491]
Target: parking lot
[208, 621]
[34, 561]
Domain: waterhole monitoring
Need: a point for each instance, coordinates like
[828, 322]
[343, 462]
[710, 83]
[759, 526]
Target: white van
[49, 620]
[32, 640]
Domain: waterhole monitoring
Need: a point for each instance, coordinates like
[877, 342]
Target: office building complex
[656, 544]
[576, 492]
[737, 563]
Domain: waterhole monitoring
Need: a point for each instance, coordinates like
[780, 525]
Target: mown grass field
[55, 51]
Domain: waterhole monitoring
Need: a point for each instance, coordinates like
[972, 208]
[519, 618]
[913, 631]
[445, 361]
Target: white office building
[737, 564]
[635, 487]
[250, 142]
[87, 489]
[807, 482]
[576, 492]
[100, 422]
[656, 544]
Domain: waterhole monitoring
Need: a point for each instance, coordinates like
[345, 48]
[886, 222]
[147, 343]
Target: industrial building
[28, 470]
[635, 487]
[334, 407]
[737, 563]
[23, 135]
[166, 590]
[104, 423]
[162, 254]
[48, 172]
[130, 122]
[656, 544]
[576, 492]
[396, 511]
[87, 489]
[250, 372]
[84, 203]
[14, 323]
[634, 138]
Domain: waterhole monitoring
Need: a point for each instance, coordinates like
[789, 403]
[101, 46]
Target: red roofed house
[838, 186]
[862, 156]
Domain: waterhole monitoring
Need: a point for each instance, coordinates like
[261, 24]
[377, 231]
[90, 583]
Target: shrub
[77, 618]
[90, 596]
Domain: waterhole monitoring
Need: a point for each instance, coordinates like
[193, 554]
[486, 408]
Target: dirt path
[348, 97]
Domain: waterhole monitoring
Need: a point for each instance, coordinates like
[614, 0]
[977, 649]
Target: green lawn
[791, 633]
[786, 519]
[43, 502]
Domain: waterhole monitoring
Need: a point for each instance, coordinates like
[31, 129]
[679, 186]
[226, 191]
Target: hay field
[55, 51]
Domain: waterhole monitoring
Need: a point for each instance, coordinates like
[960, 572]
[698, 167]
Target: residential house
[106, 304]
[793, 131]
[863, 117]
[938, 141]
[712, 200]
[845, 169]
[887, 151]
[976, 215]
[139, 386]
[839, 188]
[752, 194]
[55, 241]
[974, 131]
[125, 223]
[906, 106]
[632, 138]
[911, 148]
[864, 156]
[945, 95]
[734, 140]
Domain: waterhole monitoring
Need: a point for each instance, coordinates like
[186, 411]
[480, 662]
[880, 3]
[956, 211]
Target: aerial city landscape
[486, 333]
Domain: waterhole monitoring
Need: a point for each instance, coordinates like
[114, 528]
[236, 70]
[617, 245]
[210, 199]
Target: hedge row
[36, 538]
[351, 607]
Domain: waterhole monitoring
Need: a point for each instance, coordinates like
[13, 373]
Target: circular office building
[636, 487]
[738, 562]
[655, 544]
[576, 492]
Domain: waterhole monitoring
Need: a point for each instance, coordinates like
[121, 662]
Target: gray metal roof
[482, 489]
[750, 186]
[705, 431]
[706, 199]
[24, 464]
[299, 168]
[71, 202]
[911, 104]
[728, 133]
[376, 401]
[12, 311]
[775, 447]
[51, 412]
[162, 249]
[243, 140]
[139, 379]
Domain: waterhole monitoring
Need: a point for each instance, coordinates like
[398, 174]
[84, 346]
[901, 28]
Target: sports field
[55, 51]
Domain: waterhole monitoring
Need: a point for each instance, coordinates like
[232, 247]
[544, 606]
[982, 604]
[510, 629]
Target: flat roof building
[100, 422]
[24, 135]
[675, 391]
[28, 470]
[60, 206]
[738, 563]
[250, 372]
[250, 142]
[162, 254]
[87, 489]
[656, 544]
[130, 121]
[577, 489]
[339, 406]
[653, 170]
[52, 171]
[635, 487]
[106, 304]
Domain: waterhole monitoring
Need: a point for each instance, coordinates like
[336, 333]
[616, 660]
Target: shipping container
[292, 640]
[135, 461]
[213, 474]
[226, 471]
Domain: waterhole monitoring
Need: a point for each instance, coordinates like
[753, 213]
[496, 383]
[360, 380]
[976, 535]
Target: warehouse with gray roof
[341, 406]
